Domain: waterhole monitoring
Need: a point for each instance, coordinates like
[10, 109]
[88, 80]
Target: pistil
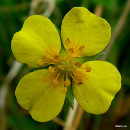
[65, 67]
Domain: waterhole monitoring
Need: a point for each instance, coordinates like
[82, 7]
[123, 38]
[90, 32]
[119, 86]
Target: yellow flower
[38, 44]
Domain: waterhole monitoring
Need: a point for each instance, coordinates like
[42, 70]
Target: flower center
[63, 69]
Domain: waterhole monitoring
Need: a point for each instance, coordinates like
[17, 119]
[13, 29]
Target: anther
[51, 69]
[67, 82]
[88, 69]
[79, 83]
[56, 57]
[40, 62]
[70, 50]
[55, 82]
[81, 48]
[67, 42]
[78, 64]
[64, 89]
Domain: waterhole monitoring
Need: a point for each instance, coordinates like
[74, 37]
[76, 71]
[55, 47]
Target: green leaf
[89, 58]
[70, 96]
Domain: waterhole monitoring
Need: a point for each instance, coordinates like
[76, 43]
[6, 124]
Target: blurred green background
[12, 16]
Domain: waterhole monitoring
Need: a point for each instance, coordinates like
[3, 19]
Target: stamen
[51, 57]
[81, 48]
[88, 69]
[64, 89]
[67, 82]
[78, 75]
[47, 60]
[51, 69]
[79, 83]
[58, 75]
[57, 57]
[49, 63]
[61, 67]
[78, 64]
[75, 79]
[46, 78]
[70, 50]
[40, 62]
[67, 42]
[64, 66]
[55, 82]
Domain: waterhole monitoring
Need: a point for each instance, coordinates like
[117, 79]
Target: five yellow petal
[39, 37]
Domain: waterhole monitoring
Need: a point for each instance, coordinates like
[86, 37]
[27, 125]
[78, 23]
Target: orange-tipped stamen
[79, 75]
[51, 69]
[67, 42]
[57, 57]
[79, 83]
[61, 67]
[79, 51]
[58, 75]
[51, 57]
[78, 64]
[67, 82]
[55, 82]
[64, 89]
[70, 50]
[64, 66]
[81, 48]
[75, 79]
